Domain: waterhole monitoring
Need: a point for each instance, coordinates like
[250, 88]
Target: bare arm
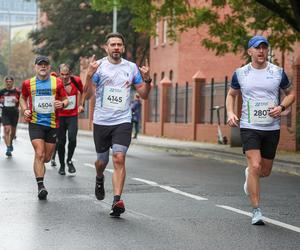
[286, 102]
[144, 88]
[24, 107]
[230, 103]
[88, 89]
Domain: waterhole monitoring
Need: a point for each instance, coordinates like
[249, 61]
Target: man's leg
[39, 166]
[7, 139]
[61, 142]
[100, 165]
[118, 178]
[254, 162]
[254, 171]
[72, 134]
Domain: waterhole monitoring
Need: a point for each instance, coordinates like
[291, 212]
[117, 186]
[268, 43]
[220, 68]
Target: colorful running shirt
[72, 108]
[42, 94]
[10, 99]
[113, 83]
[260, 91]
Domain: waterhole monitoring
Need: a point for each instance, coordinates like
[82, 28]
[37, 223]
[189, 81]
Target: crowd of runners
[51, 102]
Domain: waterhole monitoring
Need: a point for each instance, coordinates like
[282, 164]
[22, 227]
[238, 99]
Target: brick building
[188, 81]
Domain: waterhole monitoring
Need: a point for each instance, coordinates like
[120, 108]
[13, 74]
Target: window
[171, 75]
[164, 31]
[156, 39]
[155, 79]
[162, 75]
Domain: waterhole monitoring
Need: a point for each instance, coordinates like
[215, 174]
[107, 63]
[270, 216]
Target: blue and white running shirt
[113, 83]
[260, 91]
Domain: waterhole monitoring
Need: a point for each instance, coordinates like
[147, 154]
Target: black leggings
[70, 124]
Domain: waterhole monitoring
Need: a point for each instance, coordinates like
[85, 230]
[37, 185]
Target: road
[172, 201]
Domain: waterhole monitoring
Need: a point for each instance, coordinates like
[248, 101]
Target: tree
[230, 22]
[76, 30]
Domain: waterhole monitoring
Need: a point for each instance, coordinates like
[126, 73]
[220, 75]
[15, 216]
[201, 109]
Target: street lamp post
[115, 17]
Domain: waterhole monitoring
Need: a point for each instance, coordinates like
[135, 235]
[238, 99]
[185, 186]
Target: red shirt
[72, 108]
[39, 90]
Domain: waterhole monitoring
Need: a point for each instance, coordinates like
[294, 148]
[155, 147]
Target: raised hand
[145, 71]
[93, 65]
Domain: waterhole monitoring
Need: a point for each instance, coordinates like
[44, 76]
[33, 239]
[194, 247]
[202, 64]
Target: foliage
[230, 23]
[76, 30]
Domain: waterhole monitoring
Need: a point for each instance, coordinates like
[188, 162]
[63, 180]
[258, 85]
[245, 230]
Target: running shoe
[53, 163]
[71, 168]
[61, 170]
[257, 218]
[11, 148]
[8, 152]
[117, 209]
[42, 194]
[99, 189]
[245, 184]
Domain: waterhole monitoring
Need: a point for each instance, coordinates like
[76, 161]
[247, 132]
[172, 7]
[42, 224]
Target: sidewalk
[287, 162]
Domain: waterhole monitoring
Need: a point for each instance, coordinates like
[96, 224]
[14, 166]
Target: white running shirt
[260, 90]
[113, 83]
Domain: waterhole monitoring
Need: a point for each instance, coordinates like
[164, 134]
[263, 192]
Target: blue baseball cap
[256, 41]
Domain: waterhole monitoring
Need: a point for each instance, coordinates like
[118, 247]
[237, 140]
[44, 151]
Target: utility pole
[9, 43]
[115, 16]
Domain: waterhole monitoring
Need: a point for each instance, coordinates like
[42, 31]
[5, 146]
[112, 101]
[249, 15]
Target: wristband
[282, 107]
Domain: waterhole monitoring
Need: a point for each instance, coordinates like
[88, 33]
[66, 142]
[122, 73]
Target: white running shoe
[257, 218]
[245, 184]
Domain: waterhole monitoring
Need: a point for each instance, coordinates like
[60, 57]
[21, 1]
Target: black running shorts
[265, 141]
[10, 117]
[106, 136]
[45, 133]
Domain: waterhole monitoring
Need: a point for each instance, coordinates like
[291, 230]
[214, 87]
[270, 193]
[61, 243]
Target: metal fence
[154, 103]
[179, 103]
[213, 97]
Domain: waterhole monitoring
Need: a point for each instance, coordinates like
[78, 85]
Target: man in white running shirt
[259, 82]
[113, 77]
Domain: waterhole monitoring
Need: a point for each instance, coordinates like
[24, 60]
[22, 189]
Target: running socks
[40, 182]
[116, 198]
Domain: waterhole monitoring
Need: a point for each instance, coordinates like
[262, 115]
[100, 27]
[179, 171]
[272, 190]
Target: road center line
[170, 189]
[266, 219]
[199, 198]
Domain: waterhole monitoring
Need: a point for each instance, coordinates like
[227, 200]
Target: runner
[113, 77]
[9, 97]
[259, 83]
[46, 96]
[68, 118]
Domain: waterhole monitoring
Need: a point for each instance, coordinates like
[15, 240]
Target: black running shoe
[99, 189]
[117, 209]
[71, 167]
[53, 163]
[42, 194]
[8, 152]
[61, 170]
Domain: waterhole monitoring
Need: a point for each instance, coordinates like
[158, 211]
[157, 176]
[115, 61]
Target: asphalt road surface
[172, 201]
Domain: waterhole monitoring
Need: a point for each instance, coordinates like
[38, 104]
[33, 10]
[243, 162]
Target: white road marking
[266, 219]
[199, 198]
[173, 190]
[93, 166]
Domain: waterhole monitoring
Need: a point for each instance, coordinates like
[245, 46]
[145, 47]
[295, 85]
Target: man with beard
[9, 98]
[42, 98]
[113, 77]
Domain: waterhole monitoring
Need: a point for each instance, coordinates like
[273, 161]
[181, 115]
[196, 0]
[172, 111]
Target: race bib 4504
[44, 104]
